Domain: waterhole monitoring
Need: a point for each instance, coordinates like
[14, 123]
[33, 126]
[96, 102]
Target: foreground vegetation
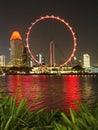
[15, 116]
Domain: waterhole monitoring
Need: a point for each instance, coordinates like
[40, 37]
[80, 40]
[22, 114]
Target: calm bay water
[56, 92]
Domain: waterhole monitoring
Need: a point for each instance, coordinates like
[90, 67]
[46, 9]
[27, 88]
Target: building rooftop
[16, 36]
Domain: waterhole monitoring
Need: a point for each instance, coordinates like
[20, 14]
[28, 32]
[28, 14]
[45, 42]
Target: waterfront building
[16, 49]
[86, 60]
[2, 60]
[40, 59]
[25, 56]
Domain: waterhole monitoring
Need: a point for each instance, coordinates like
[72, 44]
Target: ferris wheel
[66, 24]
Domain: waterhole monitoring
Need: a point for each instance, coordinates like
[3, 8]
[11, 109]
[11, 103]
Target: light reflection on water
[73, 92]
[56, 92]
[89, 89]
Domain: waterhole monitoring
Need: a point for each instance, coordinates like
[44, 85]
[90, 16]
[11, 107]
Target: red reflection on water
[57, 92]
[25, 86]
[72, 92]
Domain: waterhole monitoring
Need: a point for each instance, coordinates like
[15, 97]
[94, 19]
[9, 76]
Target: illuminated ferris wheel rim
[62, 21]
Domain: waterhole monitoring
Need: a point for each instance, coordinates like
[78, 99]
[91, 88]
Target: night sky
[82, 15]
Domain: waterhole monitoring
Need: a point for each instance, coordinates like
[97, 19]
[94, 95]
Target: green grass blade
[72, 114]
[20, 108]
[58, 126]
[66, 119]
[8, 124]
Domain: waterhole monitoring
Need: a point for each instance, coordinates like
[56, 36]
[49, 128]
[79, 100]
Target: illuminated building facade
[16, 49]
[25, 56]
[86, 60]
[52, 54]
[40, 59]
[2, 60]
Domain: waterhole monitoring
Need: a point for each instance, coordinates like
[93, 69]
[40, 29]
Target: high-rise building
[40, 59]
[86, 60]
[2, 60]
[16, 49]
[25, 56]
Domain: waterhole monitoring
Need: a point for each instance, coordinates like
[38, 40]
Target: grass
[15, 116]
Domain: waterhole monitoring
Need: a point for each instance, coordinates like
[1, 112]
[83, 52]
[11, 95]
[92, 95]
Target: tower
[16, 51]
[86, 60]
[52, 54]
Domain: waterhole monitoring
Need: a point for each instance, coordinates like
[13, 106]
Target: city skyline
[81, 15]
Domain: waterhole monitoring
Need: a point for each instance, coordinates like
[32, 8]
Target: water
[51, 91]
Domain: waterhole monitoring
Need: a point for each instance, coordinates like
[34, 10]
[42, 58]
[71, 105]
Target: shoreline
[58, 74]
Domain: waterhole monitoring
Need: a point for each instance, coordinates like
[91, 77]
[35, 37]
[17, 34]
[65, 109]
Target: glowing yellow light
[52, 16]
[57, 17]
[67, 24]
[42, 17]
[37, 20]
[70, 28]
[47, 16]
[15, 36]
[63, 20]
